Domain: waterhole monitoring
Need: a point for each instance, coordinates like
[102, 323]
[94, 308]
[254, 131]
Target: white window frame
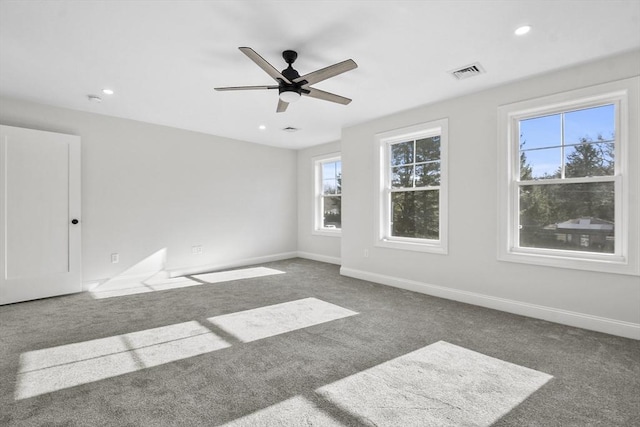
[384, 140]
[318, 198]
[624, 95]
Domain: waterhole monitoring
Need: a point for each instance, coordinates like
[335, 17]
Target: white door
[39, 214]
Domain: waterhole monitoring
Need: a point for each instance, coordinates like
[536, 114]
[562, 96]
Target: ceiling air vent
[467, 71]
[290, 129]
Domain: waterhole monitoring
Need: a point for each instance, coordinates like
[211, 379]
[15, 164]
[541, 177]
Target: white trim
[317, 219]
[624, 94]
[327, 232]
[318, 257]
[382, 236]
[417, 245]
[91, 285]
[177, 272]
[565, 317]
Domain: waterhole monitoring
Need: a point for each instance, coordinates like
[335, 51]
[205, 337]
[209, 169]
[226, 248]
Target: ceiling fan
[291, 85]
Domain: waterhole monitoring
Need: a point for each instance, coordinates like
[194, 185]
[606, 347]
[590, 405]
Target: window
[565, 195]
[412, 196]
[328, 195]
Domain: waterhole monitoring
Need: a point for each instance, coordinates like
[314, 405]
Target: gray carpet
[403, 359]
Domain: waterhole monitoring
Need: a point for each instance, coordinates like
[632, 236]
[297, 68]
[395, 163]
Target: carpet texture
[388, 345]
[440, 385]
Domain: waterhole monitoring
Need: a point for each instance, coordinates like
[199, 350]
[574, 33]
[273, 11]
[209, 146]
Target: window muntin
[567, 180]
[328, 195]
[412, 195]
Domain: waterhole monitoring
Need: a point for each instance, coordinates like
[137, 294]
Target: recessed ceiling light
[521, 31]
[107, 91]
[262, 127]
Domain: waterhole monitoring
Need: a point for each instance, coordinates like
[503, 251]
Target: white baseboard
[321, 258]
[176, 272]
[565, 317]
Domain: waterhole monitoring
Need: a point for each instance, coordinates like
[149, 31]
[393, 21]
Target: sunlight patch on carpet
[440, 385]
[132, 285]
[56, 368]
[296, 411]
[263, 322]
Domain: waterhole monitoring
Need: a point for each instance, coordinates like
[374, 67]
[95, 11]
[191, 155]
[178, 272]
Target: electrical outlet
[366, 253]
[196, 250]
[115, 258]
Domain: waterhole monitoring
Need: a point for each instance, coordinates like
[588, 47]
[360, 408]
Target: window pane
[428, 174]
[578, 217]
[402, 177]
[540, 132]
[332, 212]
[428, 149]
[415, 214]
[402, 153]
[540, 164]
[591, 124]
[589, 160]
[329, 186]
[328, 170]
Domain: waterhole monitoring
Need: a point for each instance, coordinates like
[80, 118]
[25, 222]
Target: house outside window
[412, 195]
[564, 190]
[328, 194]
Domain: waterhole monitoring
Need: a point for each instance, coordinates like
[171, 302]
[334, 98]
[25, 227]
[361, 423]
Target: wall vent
[467, 71]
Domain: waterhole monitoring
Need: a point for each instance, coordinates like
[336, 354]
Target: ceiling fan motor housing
[290, 73]
[290, 92]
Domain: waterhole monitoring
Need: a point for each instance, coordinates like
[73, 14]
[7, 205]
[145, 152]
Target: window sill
[606, 263]
[434, 248]
[337, 232]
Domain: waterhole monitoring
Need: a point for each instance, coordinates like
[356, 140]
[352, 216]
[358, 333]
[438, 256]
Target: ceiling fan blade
[262, 63]
[327, 72]
[246, 88]
[282, 106]
[327, 96]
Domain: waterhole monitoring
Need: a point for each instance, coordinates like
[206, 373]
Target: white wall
[471, 272]
[313, 246]
[147, 187]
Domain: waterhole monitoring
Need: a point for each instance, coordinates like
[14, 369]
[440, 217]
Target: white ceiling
[163, 58]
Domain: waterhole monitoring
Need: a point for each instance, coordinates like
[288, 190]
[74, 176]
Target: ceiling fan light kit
[291, 86]
[289, 95]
